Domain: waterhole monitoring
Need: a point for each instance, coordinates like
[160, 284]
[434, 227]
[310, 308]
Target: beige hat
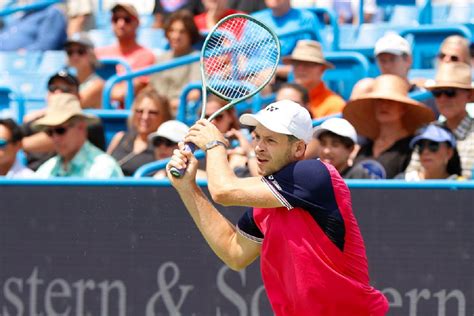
[451, 75]
[61, 108]
[127, 7]
[360, 111]
[308, 50]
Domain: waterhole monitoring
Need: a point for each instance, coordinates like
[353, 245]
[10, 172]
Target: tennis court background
[133, 250]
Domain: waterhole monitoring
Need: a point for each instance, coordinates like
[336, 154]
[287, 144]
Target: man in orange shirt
[308, 67]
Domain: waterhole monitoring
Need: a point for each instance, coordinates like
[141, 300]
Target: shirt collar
[79, 160]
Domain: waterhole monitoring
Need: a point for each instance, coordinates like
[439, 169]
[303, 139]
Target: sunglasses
[430, 145]
[79, 51]
[158, 141]
[450, 93]
[217, 118]
[452, 58]
[4, 143]
[55, 87]
[57, 130]
[126, 19]
[150, 112]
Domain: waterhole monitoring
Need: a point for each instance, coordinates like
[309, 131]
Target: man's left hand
[202, 133]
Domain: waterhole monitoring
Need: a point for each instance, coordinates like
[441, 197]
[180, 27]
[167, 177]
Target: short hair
[302, 90]
[15, 130]
[346, 141]
[160, 100]
[188, 21]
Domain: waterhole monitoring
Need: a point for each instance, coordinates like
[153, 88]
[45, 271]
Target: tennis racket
[239, 57]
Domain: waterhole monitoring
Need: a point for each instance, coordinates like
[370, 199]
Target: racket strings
[239, 58]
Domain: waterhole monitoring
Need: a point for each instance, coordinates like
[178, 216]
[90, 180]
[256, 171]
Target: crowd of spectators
[382, 133]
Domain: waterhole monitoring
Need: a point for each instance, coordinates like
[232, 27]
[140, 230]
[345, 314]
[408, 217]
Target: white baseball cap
[284, 117]
[338, 126]
[173, 130]
[392, 43]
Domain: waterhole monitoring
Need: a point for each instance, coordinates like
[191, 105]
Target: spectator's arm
[51, 32]
[91, 96]
[114, 142]
[37, 143]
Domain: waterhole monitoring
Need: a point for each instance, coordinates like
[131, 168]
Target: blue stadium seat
[101, 37]
[421, 73]
[461, 13]
[52, 61]
[113, 121]
[152, 38]
[426, 40]
[439, 13]
[350, 67]
[32, 87]
[11, 104]
[404, 15]
[19, 61]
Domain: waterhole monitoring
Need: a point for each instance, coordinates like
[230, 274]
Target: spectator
[132, 149]
[214, 11]
[452, 89]
[165, 140]
[81, 56]
[181, 33]
[282, 18]
[10, 144]
[164, 8]
[388, 118]
[336, 139]
[294, 92]
[308, 65]
[38, 146]
[37, 30]
[454, 48]
[436, 147]
[66, 124]
[125, 23]
[80, 15]
[394, 57]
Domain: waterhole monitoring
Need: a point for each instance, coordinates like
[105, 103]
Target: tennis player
[312, 254]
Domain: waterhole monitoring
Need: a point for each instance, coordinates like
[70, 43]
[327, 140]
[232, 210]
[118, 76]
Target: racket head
[239, 58]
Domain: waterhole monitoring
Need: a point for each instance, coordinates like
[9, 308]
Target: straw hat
[451, 75]
[310, 51]
[361, 110]
[61, 108]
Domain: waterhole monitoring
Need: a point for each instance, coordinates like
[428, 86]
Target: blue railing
[153, 167]
[174, 63]
[28, 7]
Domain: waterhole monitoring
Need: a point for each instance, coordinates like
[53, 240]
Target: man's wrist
[213, 144]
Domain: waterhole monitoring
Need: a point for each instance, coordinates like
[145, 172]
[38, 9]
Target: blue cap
[434, 133]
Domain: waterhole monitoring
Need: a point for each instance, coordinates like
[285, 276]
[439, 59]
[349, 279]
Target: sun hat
[451, 75]
[338, 126]
[128, 7]
[308, 50]
[173, 130]
[61, 108]
[80, 38]
[360, 111]
[284, 117]
[392, 43]
[434, 133]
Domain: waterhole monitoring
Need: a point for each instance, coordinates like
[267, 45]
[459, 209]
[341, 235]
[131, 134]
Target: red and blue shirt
[313, 259]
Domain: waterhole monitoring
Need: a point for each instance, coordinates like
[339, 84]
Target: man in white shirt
[10, 144]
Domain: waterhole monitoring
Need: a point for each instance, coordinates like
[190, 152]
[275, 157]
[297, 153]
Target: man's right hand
[182, 159]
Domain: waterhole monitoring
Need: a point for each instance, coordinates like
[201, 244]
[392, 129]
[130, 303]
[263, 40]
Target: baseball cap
[80, 38]
[392, 43]
[173, 130]
[338, 126]
[66, 76]
[284, 117]
[129, 8]
[434, 133]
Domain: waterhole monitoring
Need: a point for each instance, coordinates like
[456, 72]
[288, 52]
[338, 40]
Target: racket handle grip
[178, 173]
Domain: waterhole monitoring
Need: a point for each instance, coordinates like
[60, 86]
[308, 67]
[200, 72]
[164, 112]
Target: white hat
[392, 43]
[173, 130]
[338, 126]
[284, 117]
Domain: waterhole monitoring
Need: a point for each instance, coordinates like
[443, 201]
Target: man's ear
[299, 149]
